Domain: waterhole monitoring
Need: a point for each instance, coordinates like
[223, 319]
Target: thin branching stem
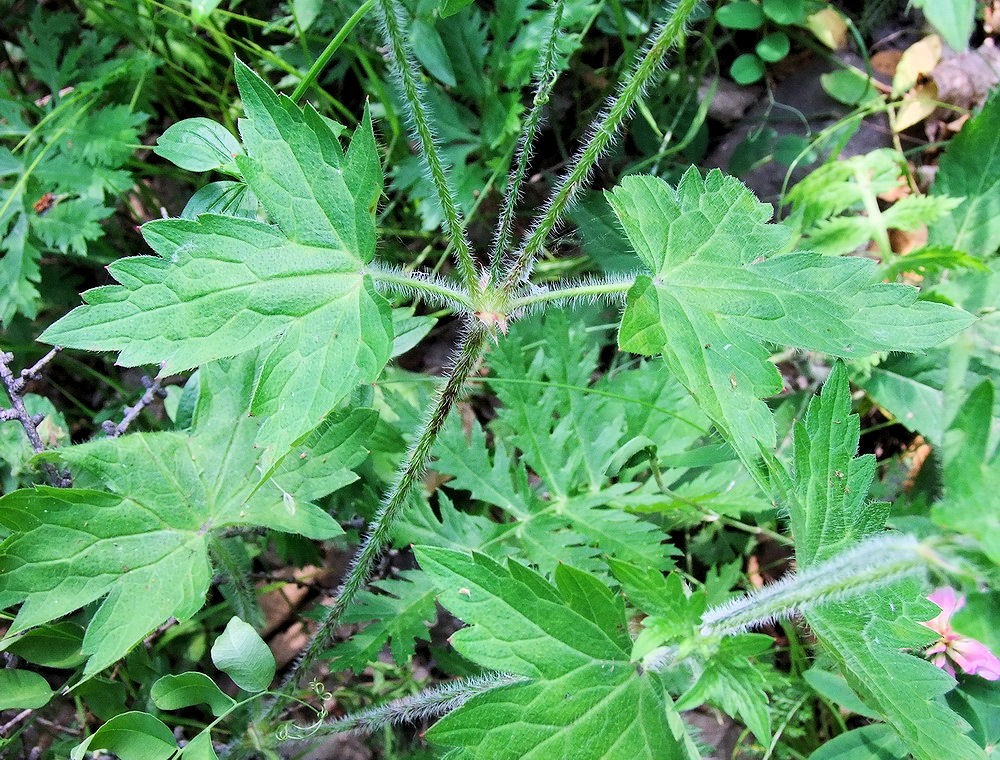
[154, 390]
[546, 78]
[18, 412]
[405, 69]
[602, 136]
[379, 532]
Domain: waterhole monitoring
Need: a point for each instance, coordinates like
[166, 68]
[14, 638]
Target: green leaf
[451, 7]
[223, 197]
[58, 645]
[242, 654]
[773, 47]
[198, 145]
[746, 69]
[306, 11]
[732, 682]
[142, 539]
[873, 742]
[834, 687]
[971, 476]
[953, 19]
[849, 86]
[583, 699]
[202, 9]
[430, 51]
[871, 636]
[200, 747]
[785, 11]
[741, 14]
[23, 690]
[174, 692]
[568, 431]
[131, 736]
[222, 285]
[398, 615]
[718, 291]
[19, 273]
[970, 167]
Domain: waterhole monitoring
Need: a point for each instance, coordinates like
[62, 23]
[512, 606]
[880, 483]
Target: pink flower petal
[975, 658]
[947, 600]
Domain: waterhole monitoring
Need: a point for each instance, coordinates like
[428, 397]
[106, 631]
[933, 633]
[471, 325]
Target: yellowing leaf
[829, 28]
[920, 58]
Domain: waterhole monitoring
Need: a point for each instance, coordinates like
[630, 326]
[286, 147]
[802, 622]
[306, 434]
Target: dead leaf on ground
[965, 79]
[885, 61]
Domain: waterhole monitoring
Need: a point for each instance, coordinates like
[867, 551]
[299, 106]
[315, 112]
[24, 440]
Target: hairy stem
[419, 285]
[546, 80]
[429, 703]
[379, 532]
[871, 564]
[405, 70]
[606, 289]
[602, 136]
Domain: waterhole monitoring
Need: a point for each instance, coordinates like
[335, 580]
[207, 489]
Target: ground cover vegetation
[499, 379]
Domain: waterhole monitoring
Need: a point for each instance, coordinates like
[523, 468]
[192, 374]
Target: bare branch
[154, 390]
[17, 411]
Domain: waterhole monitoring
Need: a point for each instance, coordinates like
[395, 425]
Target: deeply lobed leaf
[871, 635]
[136, 527]
[718, 291]
[221, 285]
[584, 701]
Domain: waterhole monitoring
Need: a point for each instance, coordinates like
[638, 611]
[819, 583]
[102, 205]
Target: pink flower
[970, 655]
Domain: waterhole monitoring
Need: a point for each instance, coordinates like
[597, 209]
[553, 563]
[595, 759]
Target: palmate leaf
[869, 636]
[717, 292]
[583, 699]
[223, 285]
[136, 526]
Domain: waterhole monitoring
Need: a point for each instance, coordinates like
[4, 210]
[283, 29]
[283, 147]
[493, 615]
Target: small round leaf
[198, 145]
[740, 15]
[785, 11]
[773, 47]
[746, 69]
[243, 656]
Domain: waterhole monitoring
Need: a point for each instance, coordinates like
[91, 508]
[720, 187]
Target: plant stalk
[871, 564]
[324, 58]
[602, 136]
[546, 80]
[379, 533]
[405, 70]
